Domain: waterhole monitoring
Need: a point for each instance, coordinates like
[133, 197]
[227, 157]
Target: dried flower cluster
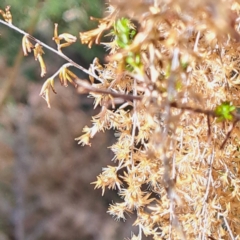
[175, 69]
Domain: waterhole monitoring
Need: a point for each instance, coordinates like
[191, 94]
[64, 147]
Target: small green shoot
[224, 111]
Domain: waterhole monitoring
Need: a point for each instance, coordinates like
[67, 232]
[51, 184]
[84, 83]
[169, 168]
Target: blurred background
[45, 176]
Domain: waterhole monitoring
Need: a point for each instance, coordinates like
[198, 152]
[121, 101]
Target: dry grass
[176, 161]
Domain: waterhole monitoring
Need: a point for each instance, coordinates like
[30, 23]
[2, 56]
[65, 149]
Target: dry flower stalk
[94, 35]
[7, 16]
[175, 165]
[38, 52]
[68, 38]
[45, 91]
[27, 46]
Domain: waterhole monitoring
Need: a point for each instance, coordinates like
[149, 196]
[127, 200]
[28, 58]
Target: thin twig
[51, 49]
[228, 227]
[195, 48]
[196, 110]
[89, 88]
[209, 126]
[205, 198]
[173, 177]
[209, 177]
[134, 121]
[201, 110]
[209, 113]
[229, 133]
[81, 83]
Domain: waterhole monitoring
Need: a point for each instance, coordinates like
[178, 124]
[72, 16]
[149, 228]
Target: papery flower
[38, 52]
[7, 14]
[64, 36]
[27, 46]
[100, 183]
[118, 210]
[45, 91]
[42, 65]
[94, 35]
[91, 36]
[66, 76]
[85, 138]
[89, 133]
[108, 179]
